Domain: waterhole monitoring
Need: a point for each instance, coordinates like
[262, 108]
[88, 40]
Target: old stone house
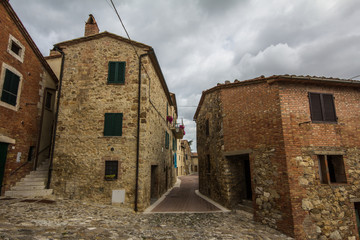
[288, 144]
[194, 162]
[116, 123]
[27, 96]
[183, 158]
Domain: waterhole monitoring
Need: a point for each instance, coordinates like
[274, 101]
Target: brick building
[116, 124]
[288, 144]
[27, 94]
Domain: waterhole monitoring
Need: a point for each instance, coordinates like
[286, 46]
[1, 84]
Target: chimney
[91, 26]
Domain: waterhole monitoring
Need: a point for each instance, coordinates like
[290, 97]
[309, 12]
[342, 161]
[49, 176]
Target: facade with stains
[114, 136]
[289, 145]
[27, 96]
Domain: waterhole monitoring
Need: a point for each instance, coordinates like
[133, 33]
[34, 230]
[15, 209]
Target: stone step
[29, 193]
[23, 183]
[33, 179]
[27, 187]
[39, 174]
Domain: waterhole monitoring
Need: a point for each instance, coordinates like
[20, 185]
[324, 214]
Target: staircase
[32, 185]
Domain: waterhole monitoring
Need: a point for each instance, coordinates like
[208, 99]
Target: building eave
[279, 78]
[29, 40]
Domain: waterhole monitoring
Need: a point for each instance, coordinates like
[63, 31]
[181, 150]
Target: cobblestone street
[71, 219]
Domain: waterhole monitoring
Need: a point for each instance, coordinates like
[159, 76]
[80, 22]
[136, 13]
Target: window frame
[167, 140]
[106, 127]
[48, 100]
[112, 170]
[19, 56]
[327, 174]
[2, 81]
[123, 74]
[322, 108]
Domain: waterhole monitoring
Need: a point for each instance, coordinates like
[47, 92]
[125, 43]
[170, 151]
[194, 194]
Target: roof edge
[28, 38]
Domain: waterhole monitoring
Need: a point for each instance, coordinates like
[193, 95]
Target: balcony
[178, 131]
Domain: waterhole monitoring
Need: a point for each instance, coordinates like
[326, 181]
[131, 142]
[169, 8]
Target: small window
[322, 107]
[332, 169]
[16, 49]
[31, 154]
[111, 170]
[48, 100]
[113, 124]
[207, 132]
[167, 140]
[208, 163]
[10, 88]
[116, 72]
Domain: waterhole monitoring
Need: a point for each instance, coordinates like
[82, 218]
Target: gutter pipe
[56, 115]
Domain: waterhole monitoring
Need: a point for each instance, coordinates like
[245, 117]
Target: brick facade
[20, 124]
[266, 123]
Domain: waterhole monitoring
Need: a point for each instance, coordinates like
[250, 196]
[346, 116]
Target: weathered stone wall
[246, 120]
[153, 151]
[81, 149]
[209, 147]
[252, 123]
[321, 211]
[21, 126]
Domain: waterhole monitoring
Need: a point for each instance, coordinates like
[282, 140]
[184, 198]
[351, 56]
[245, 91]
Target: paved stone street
[183, 198]
[71, 219]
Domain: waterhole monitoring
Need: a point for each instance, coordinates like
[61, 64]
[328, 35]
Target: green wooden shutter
[116, 73]
[113, 124]
[10, 88]
[167, 140]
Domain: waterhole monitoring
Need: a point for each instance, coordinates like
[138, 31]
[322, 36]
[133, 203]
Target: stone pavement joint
[73, 219]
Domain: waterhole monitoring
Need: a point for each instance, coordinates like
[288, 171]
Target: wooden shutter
[329, 107]
[113, 124]
[315, 107]
[10, 88]
[116, 73]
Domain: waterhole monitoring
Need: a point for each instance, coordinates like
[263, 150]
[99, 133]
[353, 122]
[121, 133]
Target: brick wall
[321, 209]
[21, 125]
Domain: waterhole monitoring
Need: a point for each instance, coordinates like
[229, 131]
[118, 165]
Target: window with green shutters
[113, 124]
[10, 88]
[116, 72]
[167, 140]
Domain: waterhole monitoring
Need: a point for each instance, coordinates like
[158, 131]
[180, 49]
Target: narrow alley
[183, 198]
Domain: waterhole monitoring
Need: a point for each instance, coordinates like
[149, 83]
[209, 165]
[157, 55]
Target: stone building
[194, 162]
[27, 96]
[288, 144]
[116, 125]
[183, 158]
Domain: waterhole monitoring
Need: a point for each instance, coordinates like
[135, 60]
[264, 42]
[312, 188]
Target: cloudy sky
[200, 43]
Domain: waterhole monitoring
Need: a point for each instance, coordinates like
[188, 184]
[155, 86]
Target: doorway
[240, 179]
[154, 182]
[357, 214]
[3, 153]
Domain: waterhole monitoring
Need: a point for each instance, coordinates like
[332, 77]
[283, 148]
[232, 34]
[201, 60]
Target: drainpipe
[138, 136]
[56, 48]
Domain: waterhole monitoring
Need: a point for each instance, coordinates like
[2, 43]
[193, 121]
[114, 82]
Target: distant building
[27, 97]
[194, 162]
[288, 144]
[116, 126]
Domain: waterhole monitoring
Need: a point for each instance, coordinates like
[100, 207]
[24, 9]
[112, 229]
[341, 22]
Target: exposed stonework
[267, 122]
[81, 148]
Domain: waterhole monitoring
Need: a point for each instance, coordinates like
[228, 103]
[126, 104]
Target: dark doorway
[239, 179]
[357, 213]
[3, 153]
[154, 182]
